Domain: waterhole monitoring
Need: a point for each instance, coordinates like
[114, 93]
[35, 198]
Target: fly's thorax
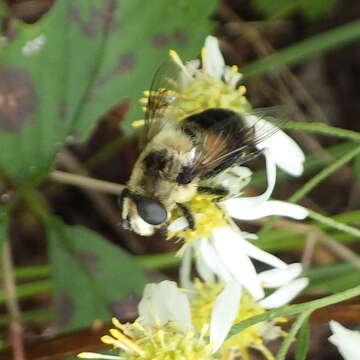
[158, 167]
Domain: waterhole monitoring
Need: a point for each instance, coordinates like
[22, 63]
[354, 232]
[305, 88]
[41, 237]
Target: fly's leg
[217, 191]
[188, 216]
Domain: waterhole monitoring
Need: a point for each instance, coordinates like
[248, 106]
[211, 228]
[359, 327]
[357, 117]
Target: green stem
[307, 48]
[324, 129]
[334, 224]
[322, 175]
[284, 348]
[290, 310]
[9, 283]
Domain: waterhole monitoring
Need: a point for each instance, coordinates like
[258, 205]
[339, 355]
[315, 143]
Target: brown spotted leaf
[93, 279]
[59, 75]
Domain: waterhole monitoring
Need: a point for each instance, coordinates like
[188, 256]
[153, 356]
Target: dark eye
[150, 210]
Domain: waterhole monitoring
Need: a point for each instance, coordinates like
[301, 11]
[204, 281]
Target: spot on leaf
[62, 110]
[65, 308]
[100, 20]
[89, 259]
[18, 99]
[160, 40]
[179, 36]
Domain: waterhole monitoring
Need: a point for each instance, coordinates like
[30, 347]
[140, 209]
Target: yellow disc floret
[139, 341]
[239, 345]
[207, 217]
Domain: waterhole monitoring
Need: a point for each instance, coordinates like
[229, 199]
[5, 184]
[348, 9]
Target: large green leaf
[80, 59]
[93, 279]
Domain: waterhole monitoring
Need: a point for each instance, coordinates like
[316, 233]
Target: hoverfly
[181, 150]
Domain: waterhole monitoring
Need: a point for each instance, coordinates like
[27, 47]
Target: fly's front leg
[188, 216]
[217, 191]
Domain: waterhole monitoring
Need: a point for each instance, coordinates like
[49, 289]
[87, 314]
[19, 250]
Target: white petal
[225, 310]
[232, 77]
[239, 208]
[213, 61]
[185, 268]
[347, 341]
[178, 224]
[164, 302]
[287, 153]
[276, 207]
[213, 260]
[233, 179]
[285, 294]
[252, 250]
[230, 249]
[205, 272]
[88, 355]
[192, 66]
[278, 277]
[181, 223]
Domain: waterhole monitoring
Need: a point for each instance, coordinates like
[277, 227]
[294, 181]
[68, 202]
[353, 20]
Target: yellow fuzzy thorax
[207, 216]
[138, 341]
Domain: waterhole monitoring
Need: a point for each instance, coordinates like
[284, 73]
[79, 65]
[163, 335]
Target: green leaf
[302, 50]
[284, 348]
[314, 9]
[311, 9]
[356, 168]
[93, 279]
[271, 8]
[80, 59]
[302, 346]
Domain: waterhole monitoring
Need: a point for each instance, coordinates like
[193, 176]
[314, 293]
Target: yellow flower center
[201, 92]
[139, 341]
[239, 345]
[207, 216]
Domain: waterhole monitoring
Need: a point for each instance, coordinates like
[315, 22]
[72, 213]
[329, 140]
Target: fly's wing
[162, 94]
[232, 140]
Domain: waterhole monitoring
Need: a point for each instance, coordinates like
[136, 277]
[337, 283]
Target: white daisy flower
[164, 302]
[347, 341]
[218, 245]
[163, 330]
[224, 305]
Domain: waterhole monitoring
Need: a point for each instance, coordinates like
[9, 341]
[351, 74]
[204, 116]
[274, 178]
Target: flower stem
[324, 129]
[322, 175]
[290, 337]
[16, 330]
[290, 310]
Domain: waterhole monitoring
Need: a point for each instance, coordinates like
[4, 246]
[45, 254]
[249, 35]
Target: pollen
[140, 341]
[207, 217]
[253, 337]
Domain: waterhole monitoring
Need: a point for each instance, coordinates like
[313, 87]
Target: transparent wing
[228, 143]
[162, 94]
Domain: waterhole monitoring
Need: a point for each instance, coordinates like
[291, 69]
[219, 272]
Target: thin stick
[15, 329]
[308, 250]
[342, 251]
[86, 182]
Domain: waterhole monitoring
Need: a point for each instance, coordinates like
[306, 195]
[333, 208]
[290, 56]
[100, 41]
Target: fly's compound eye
[151, 211]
